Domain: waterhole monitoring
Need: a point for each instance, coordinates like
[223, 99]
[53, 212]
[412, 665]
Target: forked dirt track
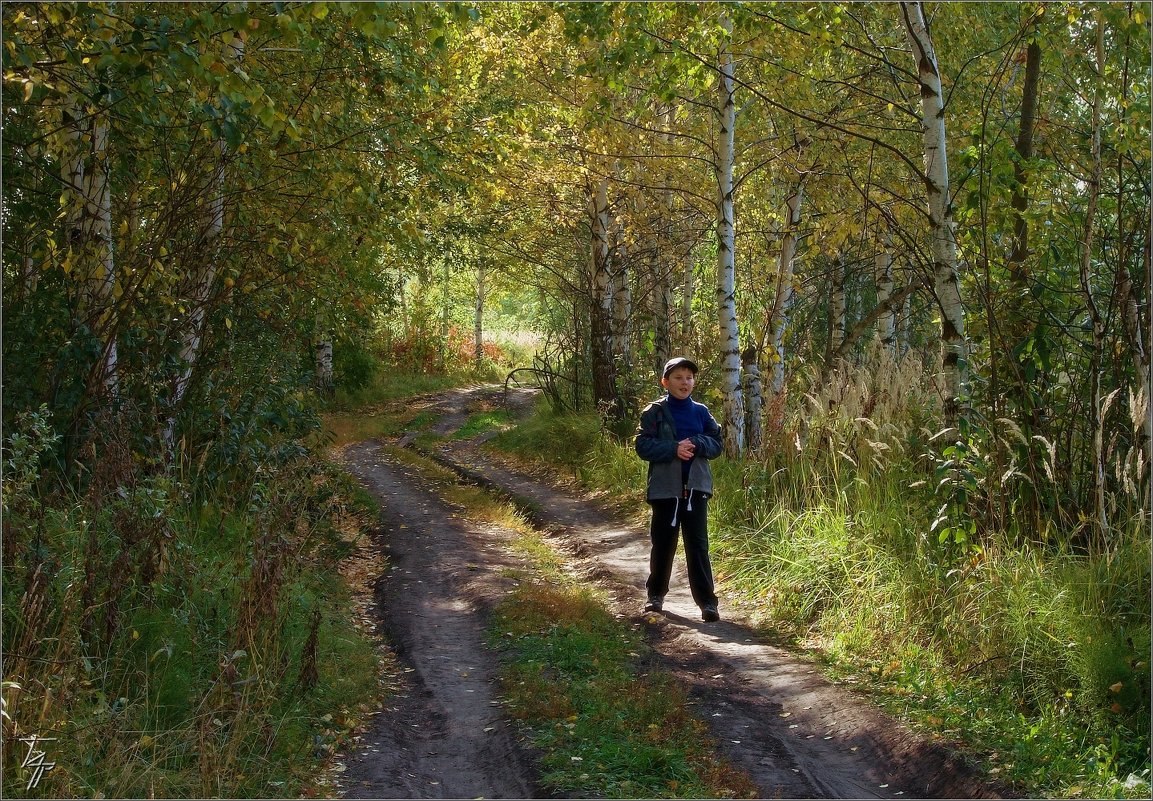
[444, 736]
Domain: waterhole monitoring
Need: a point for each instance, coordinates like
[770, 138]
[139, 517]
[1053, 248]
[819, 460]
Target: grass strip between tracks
[605, 730]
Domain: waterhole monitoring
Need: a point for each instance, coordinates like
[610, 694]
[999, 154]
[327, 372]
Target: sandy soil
[796, 734]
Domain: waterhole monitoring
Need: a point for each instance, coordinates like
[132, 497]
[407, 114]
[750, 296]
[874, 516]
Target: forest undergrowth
[174, 632]
[859, 539]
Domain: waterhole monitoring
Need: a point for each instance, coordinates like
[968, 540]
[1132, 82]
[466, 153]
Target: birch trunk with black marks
[886, 332]
[754, 399]
[783, 303]
[324, 378]
[904, 324]
[734, 414]
[204, 275]
[603, 368]
[103, 282]
[837, 308]
[661, 296]
[1131, 302]
[1142, 403]
[478, 314]
[943, 244]
[622, 302]
[660, 309]
[688, 291]
[88, 230]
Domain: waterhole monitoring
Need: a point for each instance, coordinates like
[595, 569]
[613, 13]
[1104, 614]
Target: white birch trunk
[478, 315]
[887, 323]
[1131, 302]
[201, 291]
[946, 282]
[72, 172]
[734, 414]
[837, 307]
[687, 293]
[754, 400]
[324, 378]
[661, 299]
[88, 226]
[904, 323]
[27, 276]
[622, 301]
[602, 278]
[604, 374]
[101, 275]
[785, 271]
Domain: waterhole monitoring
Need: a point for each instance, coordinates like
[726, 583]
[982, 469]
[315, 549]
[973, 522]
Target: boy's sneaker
[709, 614]
[655, 605]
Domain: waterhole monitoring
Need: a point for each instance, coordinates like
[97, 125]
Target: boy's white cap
[678, 361]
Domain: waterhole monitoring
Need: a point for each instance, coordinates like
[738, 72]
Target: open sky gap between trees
[908, 244]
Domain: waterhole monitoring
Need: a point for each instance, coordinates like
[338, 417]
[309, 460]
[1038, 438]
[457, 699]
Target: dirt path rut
[443, 735]
[796, 734]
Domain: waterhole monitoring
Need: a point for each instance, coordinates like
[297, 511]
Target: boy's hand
[685, 450]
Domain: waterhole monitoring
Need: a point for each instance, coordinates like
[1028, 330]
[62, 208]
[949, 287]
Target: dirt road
[796, 734]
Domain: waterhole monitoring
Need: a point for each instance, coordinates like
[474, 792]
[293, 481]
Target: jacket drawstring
[677, 508]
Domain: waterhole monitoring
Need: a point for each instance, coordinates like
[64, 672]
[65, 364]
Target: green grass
[566, 439]
[389, 385]
[571, 676]
[1036, 658]
[482, 422]
[383, 420]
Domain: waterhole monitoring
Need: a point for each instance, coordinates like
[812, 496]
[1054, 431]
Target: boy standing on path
[677, 436]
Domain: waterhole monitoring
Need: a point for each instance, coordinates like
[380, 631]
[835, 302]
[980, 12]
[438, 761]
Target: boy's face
[679, 382]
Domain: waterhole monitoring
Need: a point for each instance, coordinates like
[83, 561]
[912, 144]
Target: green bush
[354, 366]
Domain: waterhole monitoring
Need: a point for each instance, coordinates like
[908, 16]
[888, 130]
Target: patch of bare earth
[794, 732]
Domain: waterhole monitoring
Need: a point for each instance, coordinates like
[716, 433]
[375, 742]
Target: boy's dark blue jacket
[656, 443]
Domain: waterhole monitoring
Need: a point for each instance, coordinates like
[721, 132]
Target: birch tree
[661, 297]
[87, 215]
[478, 310]
[98, 247]
[886, 332]
[784, 295]
[622, 301]
[734, 434]
[754, 399]
[838, 306]
[943, 245]
[203, 279]
[603, 367]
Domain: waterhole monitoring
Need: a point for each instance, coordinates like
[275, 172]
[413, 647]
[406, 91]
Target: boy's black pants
[693, 526]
